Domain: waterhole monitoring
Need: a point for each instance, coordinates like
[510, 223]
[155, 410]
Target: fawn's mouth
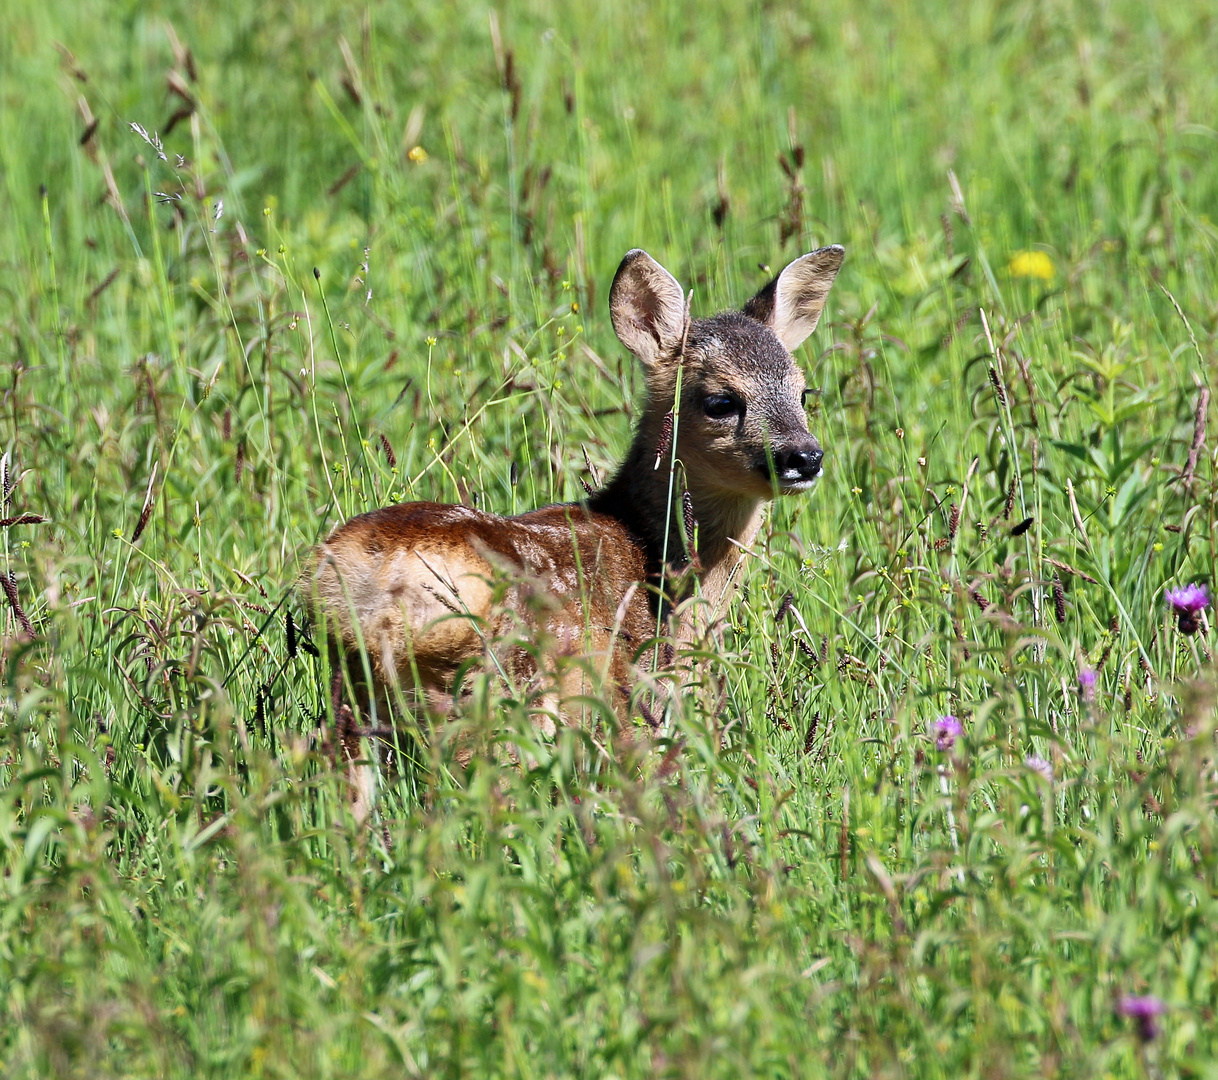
[802, 483]
[777, 484]
[794, 471]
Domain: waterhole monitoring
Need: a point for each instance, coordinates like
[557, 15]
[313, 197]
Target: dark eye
[803, 398]
[717, 406]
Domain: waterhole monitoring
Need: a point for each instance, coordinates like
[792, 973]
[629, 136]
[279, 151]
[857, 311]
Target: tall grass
[355, 254]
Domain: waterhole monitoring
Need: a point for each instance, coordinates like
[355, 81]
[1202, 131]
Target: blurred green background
[797, 882]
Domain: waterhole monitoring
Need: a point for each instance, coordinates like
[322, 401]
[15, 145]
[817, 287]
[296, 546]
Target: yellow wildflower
[417, 154]
[1033, 264]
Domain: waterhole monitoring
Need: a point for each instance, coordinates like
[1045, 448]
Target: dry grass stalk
[1199, 423]
[1071, 570]
[101, 287]
[593, 471]
[1026, 374]
[1078, 517]
[958, 206]
[791, 220]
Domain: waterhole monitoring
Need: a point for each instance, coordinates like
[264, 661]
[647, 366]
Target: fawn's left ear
[791, 304]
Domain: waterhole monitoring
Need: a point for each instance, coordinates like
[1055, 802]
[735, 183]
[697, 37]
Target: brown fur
[415, 581]
[418, 584]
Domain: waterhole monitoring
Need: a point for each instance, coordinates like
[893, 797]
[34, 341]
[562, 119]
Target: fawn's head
[742, 429]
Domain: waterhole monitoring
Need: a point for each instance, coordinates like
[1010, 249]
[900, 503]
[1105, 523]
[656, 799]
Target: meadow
[266, 266]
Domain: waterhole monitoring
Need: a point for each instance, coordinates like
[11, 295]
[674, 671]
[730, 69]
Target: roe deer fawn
[414, 583]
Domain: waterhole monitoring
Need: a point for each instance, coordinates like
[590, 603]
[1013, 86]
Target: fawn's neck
[639, 497]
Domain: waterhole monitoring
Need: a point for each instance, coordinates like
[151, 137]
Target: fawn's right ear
[647, 307]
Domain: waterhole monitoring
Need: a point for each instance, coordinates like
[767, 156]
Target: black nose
[799, 463]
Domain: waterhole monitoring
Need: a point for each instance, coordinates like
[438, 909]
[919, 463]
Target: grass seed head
[999, 390]
[810, 737]
[146, 510]
[1099, 664]
[691, 528]
[664, 443]
[1144, 663]
[647, 715]
[22, 519]
[9, 583]
[390, 456]
[1059, 599]
[142, 523]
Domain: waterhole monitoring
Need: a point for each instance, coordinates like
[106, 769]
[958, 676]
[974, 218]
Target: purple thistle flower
[1040, 766]
[947, 729]
[1188, 602]
[1087, 678]
[1144, 1011]
[1189, 598]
